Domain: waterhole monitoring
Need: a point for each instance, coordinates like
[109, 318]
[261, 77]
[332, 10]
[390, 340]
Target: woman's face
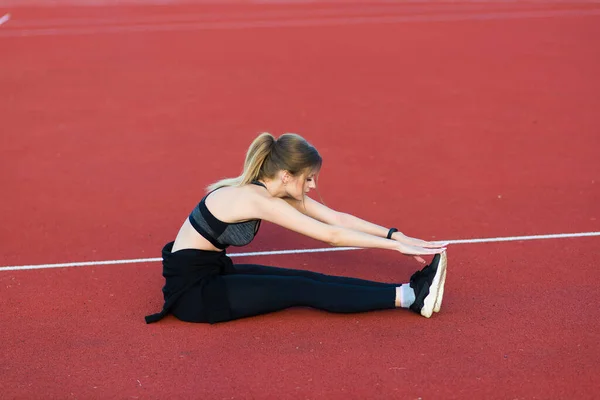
[300, 185]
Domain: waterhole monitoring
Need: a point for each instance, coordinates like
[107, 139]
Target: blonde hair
[267, 156]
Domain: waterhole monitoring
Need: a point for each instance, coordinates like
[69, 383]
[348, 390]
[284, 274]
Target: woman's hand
[417, 251]
[416, 247]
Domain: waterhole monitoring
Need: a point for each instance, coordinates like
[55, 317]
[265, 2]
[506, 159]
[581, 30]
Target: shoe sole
[430, 300]
[440, 295]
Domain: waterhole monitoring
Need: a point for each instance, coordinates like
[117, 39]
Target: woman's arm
[319, 211]
[352, 222]
[325, 214]
[320, 227]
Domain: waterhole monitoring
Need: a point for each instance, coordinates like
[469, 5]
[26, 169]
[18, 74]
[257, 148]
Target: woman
[203, 285]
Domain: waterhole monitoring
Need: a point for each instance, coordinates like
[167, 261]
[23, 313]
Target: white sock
[406, 295]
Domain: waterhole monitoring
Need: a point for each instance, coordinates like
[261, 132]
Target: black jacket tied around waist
[186, 268]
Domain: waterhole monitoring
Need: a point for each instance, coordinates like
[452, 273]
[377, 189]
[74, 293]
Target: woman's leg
[255, 289]
[256, 294]
[254, 269]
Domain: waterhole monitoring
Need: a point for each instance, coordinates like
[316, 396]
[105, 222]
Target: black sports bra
[223, 234]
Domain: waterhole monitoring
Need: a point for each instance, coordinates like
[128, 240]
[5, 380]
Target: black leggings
[258, 289]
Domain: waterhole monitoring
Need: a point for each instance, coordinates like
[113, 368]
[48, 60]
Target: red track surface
[447, 129]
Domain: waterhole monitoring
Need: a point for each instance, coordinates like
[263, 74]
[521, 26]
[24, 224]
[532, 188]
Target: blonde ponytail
[257, 153]
[267, 156]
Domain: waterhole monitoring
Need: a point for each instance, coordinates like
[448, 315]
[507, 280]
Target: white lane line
[251, 15]
[4, 19]
[296, 23]
[301, 251]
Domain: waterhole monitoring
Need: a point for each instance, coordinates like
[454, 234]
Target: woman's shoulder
[237, 202]
[248, 189]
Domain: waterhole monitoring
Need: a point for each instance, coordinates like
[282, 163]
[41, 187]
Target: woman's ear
[285, 177]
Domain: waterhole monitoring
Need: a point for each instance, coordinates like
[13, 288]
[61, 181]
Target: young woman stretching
[203, 285]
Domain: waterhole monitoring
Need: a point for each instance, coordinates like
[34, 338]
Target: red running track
[481, 125]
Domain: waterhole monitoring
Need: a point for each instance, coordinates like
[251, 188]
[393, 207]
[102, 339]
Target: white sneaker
[440, 295]
[426, 284]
